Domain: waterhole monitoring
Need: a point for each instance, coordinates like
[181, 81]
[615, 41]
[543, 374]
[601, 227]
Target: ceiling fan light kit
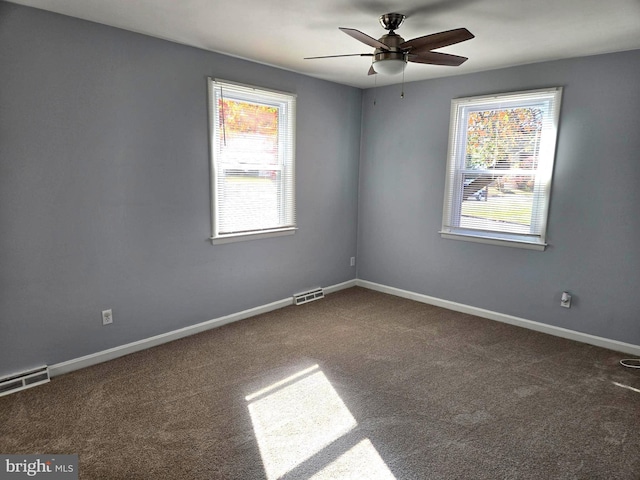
[392, 52]
[389, 66]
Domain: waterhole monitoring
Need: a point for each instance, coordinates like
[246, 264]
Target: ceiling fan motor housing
[391, 40]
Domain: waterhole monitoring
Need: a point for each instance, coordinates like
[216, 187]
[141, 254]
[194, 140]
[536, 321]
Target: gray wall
[105, 198]
[594, 223]
[104, 193]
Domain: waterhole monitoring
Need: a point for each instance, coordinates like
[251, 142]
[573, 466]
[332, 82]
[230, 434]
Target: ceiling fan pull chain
[402, 93]
[375, 88]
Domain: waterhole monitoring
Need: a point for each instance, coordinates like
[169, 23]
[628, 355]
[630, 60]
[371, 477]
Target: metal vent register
[310, 296]
[20, 381]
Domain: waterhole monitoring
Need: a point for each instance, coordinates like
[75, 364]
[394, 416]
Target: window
[252, 162]
[501, 153]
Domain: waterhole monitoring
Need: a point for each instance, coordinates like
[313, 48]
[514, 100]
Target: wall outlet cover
[107, 317]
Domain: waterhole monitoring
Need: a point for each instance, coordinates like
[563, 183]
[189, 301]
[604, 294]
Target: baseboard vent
[20, 381]
[310, 296]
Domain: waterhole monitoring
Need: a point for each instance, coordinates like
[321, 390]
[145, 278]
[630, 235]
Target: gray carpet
[357, 385]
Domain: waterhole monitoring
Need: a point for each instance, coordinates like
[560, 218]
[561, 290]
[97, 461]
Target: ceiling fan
[392, 52]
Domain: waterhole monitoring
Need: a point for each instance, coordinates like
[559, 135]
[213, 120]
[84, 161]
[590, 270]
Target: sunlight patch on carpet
[296, 418]
[359, 462]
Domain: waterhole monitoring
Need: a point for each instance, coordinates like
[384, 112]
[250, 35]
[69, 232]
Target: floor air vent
[310, 296]
[20, 381]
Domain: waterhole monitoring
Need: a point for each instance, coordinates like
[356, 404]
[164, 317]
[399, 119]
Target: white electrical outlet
[353, 261]
[565, 300]
[107, 317]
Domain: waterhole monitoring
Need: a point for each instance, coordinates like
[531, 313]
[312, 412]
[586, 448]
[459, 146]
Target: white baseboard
[112, 353]
[501, 317]
[340, 286]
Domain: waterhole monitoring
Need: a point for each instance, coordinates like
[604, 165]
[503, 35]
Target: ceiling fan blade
[336, 56]
[364, 38]
[437, 40]
[436, 58]
[372, 71]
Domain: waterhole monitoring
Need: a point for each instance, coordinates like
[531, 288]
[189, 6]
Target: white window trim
[489, 239]
[532, 242]
[243, 237]
[216, 238]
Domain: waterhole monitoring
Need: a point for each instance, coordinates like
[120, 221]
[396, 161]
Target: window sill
[243, 237]
[515, 241]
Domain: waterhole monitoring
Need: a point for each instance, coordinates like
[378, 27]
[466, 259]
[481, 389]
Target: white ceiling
[283, 32]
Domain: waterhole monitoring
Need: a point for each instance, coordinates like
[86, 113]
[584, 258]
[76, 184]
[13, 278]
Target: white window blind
[499, 167]
[252, 161]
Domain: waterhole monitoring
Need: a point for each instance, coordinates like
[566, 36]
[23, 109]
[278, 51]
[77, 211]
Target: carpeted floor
[357, 385]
